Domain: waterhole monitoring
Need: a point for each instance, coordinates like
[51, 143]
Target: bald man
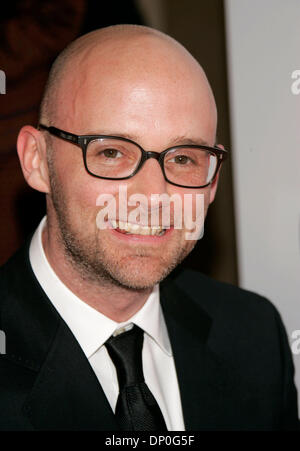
[98, 335]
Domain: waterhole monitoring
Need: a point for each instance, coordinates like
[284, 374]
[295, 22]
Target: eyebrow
[179, 140]
[185, 140]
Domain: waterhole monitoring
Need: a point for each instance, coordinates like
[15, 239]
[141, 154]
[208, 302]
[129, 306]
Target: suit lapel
[205, 380]
[66, 394]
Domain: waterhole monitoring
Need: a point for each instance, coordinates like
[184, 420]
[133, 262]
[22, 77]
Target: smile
[136, 229]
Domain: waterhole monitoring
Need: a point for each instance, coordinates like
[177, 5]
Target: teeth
[155, 230]
[137, 229]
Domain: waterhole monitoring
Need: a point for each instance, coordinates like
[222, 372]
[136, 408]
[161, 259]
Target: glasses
[118, 158]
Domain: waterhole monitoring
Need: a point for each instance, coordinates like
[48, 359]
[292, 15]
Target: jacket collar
[205, 379]
[66, 394]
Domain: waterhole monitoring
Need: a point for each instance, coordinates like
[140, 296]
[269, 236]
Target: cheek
[85, 195]
[194, 203]
[80, 189]
[87, 192]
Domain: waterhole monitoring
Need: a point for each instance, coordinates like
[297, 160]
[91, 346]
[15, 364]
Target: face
[156, 98]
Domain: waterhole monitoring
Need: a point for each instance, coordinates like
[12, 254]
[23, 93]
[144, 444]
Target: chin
[142, 276]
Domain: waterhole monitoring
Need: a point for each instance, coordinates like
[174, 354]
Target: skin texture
[128, 81]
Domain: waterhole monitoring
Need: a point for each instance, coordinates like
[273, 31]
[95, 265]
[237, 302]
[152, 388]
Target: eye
[180, 159]
[111, 153]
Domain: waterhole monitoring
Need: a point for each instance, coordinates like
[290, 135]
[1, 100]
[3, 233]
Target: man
[98, 338]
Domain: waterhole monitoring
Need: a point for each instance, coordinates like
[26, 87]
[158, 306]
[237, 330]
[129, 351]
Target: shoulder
[202, 288]
[12, 272]
[243, 324]
[228, 305]
[17, 282]
[214, 295]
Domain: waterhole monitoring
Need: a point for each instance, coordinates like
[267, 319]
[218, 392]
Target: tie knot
[125, 350]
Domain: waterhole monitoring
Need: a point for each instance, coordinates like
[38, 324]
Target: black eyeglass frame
[83, 141]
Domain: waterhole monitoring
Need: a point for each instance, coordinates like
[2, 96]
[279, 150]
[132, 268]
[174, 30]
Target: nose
[150, 179]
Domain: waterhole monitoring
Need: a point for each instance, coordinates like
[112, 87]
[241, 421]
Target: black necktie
[136, 409]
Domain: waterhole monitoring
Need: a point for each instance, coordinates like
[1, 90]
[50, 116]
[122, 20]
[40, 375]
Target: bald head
[101, 61]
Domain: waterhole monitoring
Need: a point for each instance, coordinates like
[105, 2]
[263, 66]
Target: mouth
[135, 229]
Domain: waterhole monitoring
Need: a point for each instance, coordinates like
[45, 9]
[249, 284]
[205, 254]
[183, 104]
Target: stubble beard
[95, 262]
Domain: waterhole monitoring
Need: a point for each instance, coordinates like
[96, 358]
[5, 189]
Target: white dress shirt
[91, 329]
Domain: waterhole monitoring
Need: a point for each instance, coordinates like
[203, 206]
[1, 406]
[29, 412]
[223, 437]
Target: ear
[32, 151]
[214, 185]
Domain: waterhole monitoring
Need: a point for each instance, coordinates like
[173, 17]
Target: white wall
[263, 41]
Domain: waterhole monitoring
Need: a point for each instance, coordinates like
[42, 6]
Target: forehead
[137, 84]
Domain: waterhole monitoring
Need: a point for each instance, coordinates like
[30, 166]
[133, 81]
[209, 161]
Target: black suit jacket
[231, 353]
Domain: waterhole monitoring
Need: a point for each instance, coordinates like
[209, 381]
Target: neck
[116, 302]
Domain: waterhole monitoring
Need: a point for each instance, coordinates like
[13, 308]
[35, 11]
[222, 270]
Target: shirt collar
[90, 327]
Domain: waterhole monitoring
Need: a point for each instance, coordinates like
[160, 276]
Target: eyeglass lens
[113, 158]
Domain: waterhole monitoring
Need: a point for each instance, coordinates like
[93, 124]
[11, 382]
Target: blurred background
[248, 50]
